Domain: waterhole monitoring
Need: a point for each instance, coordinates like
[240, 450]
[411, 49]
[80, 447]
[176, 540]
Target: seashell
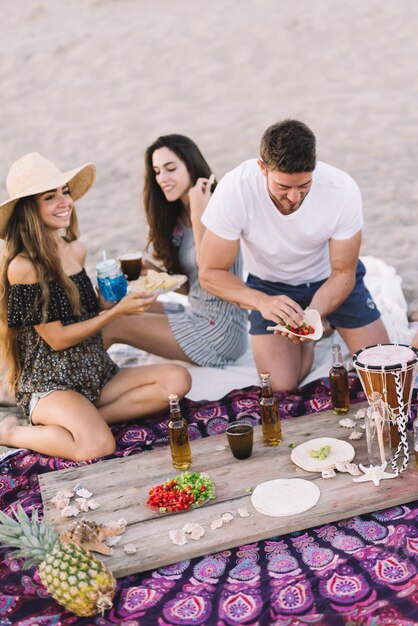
[360, 414]
[121, 523]
[197, 532]
[216, 523]
[347, 422]
[81, 492]
[353, 469]
[70, 511]
[130, 548]
[356, 434]
[227, 517]
[178, 537]
[243, 513]
[85, 504]
[61, 495]
[328, 473]
[60, 502]
[92, 536]
[188, 528]
[341, 467]
[194, 530]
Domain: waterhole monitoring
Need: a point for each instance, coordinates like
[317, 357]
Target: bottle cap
[173, 397]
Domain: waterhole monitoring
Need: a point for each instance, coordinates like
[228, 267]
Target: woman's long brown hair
[27, 235]
[161, 214]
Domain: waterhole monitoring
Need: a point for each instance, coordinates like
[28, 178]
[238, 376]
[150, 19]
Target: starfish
[375, 473]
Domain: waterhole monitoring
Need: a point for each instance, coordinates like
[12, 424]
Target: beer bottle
[178, 433]
[338, 378]
[270, 419]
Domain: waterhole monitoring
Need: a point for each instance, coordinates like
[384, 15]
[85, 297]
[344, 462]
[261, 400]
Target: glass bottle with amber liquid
[178, 433]
[338, 379]
[270, 419]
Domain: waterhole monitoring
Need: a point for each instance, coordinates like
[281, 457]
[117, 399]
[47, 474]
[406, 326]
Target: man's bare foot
[7, 426]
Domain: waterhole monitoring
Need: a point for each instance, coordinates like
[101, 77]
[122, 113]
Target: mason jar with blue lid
[111, 280]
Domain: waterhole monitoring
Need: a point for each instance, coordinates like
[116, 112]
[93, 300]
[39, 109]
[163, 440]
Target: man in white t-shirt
[299, 222]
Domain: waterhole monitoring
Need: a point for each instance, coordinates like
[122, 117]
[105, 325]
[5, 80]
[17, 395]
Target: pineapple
[72, 575]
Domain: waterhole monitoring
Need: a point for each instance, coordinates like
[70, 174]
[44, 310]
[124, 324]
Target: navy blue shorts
[357, 310]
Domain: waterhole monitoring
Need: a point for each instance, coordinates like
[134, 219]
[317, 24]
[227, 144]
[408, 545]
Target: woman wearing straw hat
[52, 342]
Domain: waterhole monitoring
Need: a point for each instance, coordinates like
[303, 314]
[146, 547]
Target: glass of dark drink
[240, 438]
[131, 264]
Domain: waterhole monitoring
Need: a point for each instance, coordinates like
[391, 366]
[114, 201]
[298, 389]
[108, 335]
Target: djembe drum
[389, 370]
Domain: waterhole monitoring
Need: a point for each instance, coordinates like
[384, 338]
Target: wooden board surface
[121, 487]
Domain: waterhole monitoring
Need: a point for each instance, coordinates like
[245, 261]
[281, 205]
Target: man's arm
[217, 256]
[344, 256]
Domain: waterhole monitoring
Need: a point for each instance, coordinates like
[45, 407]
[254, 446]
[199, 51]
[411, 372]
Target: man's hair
[289, 146]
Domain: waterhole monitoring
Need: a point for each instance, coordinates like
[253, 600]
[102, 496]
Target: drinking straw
[104, 255]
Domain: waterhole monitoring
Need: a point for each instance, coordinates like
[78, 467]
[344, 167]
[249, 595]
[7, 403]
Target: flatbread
[312, 318]
[157, 283]
[285, 496]
[341, 451]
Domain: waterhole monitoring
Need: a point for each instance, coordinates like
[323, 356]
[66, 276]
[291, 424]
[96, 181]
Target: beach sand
[98, 80]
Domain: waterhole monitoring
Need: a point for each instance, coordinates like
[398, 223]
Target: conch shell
[91, 536]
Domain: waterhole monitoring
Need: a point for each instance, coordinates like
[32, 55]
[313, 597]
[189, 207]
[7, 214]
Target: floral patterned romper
[85, 367]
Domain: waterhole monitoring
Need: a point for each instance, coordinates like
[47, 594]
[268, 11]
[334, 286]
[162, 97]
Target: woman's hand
[199, 197]
[104, 305]
[134, 303]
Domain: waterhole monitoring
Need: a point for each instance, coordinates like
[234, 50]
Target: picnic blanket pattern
[356, 572]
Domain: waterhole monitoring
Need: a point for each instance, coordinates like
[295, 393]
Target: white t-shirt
[294, 248]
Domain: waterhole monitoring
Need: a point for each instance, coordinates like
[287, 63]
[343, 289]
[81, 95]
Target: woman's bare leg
[149, 331]
[67, 425]
[138, 391]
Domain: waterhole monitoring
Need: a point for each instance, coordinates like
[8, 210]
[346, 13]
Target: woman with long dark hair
[209, 331]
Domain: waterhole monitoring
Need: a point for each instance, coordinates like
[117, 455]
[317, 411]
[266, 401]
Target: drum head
[385, 357]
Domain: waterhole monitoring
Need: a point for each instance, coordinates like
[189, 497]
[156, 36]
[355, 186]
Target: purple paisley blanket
[357, 572]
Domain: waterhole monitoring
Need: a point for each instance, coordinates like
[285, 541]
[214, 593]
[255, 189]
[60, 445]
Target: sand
[98, 80]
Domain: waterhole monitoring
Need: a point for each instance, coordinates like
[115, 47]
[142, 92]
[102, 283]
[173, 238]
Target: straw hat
[34, 174]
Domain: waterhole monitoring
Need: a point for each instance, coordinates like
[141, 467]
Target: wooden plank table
[121, 487]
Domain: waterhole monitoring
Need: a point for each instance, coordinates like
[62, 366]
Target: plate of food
[155, 283]
[187, 490]
[311, 326]
[317, 455]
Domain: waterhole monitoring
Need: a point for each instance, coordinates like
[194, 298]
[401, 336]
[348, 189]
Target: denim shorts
[357, 310]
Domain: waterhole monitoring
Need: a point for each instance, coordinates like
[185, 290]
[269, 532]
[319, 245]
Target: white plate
[341, 451]
[312, 318]
[285, 496]
[174, 281]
